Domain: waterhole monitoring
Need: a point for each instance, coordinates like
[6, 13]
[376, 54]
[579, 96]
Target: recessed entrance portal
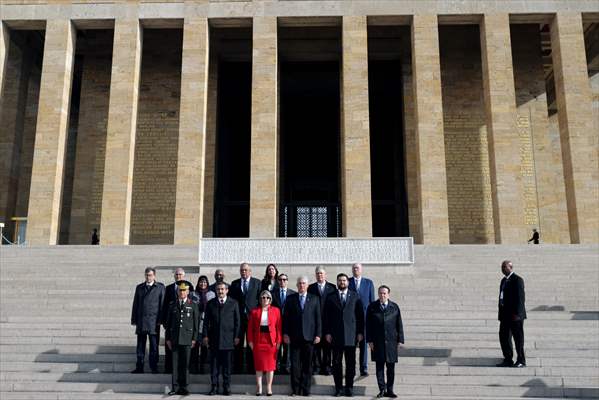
[309, 129]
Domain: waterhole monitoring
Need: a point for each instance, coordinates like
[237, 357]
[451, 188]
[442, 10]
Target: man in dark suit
[279, 298]
[302, 329]
[221, 335]
[322, 351]
[145, 315]
[182, 332]
[365, 288]
[170, 295]
[219, 276]
[245, 291]
[343, 327]
[512, 314]
[384, 333]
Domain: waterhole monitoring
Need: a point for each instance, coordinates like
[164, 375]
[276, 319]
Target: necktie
[321, 289]
[358, 284]
[245, 286]
[283, 297]
[302, 301]
[383, 306]
[342, 298]
[222, 302]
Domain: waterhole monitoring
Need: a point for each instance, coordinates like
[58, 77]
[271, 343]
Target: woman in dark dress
[271, 276]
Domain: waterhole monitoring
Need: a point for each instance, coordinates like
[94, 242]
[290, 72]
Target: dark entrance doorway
[309, 131]
[389, 197]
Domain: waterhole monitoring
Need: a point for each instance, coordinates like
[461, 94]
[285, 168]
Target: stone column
[356, 203]
[264, 140]
[192, 132]
[51, 133]
[120, 137]
[578, 138]
[430, 144]
[504, 142]
[4, 44]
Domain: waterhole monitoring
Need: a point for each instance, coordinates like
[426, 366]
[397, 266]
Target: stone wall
[466, 147]
[155, 167]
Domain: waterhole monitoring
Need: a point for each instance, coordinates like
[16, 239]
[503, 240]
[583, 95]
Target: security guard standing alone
[182, 331]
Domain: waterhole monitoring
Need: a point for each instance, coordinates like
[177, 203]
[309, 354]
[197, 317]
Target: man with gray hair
[321, 289]
[170, 295]
[302, 329]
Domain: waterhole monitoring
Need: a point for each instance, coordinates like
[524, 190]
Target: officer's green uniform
[181, 328]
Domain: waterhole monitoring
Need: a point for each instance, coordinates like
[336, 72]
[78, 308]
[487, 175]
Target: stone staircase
[65, 332]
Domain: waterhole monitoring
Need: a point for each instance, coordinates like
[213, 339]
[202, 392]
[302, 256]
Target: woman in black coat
[384, 334]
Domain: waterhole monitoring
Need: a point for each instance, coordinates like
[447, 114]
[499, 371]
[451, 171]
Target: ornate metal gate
[310, 220]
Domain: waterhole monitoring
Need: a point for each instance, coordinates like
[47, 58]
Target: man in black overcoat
[384, 334]
[170, 295]
[302, 329]
[146, 314]
[245, 291]
[343, 327]
[182, 332]
[322, 351]
[511, 315]
[221, 335]
[279, 299]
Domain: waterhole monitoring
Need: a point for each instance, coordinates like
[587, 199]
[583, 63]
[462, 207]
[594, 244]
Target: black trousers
[301, 366]
[507, 329]
[180, 366]
[322, 356]
[380, 376]
[243, 357]
[349, 352]
[220, 363]
[141, 351]
[283, 362]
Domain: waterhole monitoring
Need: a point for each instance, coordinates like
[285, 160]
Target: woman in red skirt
[264, 338]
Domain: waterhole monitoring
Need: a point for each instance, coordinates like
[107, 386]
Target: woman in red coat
[264, 338]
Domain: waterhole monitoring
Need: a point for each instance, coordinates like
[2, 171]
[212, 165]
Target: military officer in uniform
[182, 331]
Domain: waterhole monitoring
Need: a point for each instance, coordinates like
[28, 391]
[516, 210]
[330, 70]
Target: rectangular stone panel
[264, 139]
[50, 139]
[121, 128]
[192, 132]
[429, 136]
[356, 202]
[579, 141]
[504, 142]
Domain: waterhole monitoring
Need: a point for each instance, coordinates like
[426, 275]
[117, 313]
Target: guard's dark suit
[302, 326]
[247, 302]
[182, 326]
[283, 362]
[146, 314]
[322, 351]
[511, 315]
[221, 327]
[170, 295]
[344, 322]
[384, 329]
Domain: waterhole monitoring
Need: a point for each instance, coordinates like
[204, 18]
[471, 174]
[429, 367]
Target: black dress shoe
[172, 393]
[391, 395]
[381, 394]
[505, 364]
[338, 393]
[213, 391]
[364, 373]
[519, 365]
[137, 371]
[292, 394]
[183, 392]
[349, 392]
[226, 392]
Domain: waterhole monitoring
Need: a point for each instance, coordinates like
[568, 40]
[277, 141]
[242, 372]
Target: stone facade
[486, 159]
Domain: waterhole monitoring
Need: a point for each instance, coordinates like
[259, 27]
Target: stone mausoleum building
[160, 122]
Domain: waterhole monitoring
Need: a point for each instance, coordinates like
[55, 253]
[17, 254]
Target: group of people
[263, 326]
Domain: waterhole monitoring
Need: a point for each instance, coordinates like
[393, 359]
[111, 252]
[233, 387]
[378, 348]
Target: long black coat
[328, 289]
[221, 324]
[246, 302]
[302, 325]
[343, 323]
[170, 295]
[513, 298]
[385, 330]
[147, 308]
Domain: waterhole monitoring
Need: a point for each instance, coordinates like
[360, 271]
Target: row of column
[579, 143]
